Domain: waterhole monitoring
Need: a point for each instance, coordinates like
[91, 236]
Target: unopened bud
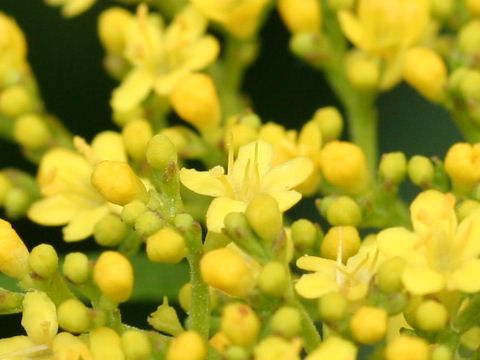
[148, 223]
[469, 38]
[431, 316]
[264, 216]
[161, 152]
[105, 344]
[462, 166]
[31, 131]
[13, 252]
[340, 239]
[132, 211]
[389, 275]
[369, 324]
[301, 16]
[406, 347]
[112, 24]
[73, 316]
[136, 135]
[332, 306]
[166, 246]
[136, 345]
[393, 167]
[15, 101]
[17, 201]
[240, 323]
[187, 345]
[362, 72]
[109, 231]
[76, 267]
[304, 234]
[420, 170]
[344, 211]
[286, 321]
[43, 260]
[273, 279]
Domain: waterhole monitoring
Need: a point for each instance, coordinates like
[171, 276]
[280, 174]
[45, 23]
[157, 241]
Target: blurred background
[66, 58]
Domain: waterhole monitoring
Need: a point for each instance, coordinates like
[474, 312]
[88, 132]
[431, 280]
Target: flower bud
[220, 342]
[420, 170]
[332, 306]
[136, 345]
[299, 16]
[43, 260]
[105, 344]
[13, 252]
[273, 279]
[330, 121]
[227, 271]
[109, 230]
[39, 317]
[393, 167]
[195, 100]
[117, 182]
[304, 234]
[121, 118]
[312, 47]
[362, 72]
[405, 347]
[166, 246]
[264, 216]
[73, 316]
[187, 345]
[240, 134]
[161, 152]
[240, 323]
[76, 267]
[15, 101]
[369, 324]
[113, 274]
[431, 316]
[441, 352]
[112, 25]
[286, 322]
[471, 338]
[165, 319]
[31, 131]
[346, 237]
[132, 211]
[17, 201]
[424, 70]
[469, 38]
[389, 275]
[148, 223]
[334, 347]
[344, 211]
[344, 165]
[462, 164]
[276, 347]
[136, 135]
[176, 137]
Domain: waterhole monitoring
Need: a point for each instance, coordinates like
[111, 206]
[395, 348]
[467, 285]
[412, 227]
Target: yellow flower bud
[299, 16]
[225, 270]
[332, 306]
[441, 352]
[117, 182]
[304, 234]
[462, 164]
[136, 135]
[468, 85]
[469, 38]
[17, 201]
[405, 347]
[161, 152]
[273, 279]
[240, 323]
[241, 134]
[15, 101]
[166, 246]
[276, 347]
[286, 321]
[330, 121]
[220, 342]
[362, 72]
[31, 131]
[195, 100]
[73, 316]
[344, 211]
[148, 223]
[187, 345]
[76, 267]
[112, 25]
[165, 319]
[39, 317]
[121, 118]
[465, 208]
[43, 260]
[393, 167]
[113, 274]
[473, 6]
[420, 170]
[369, 324]
[344, 239]
[136, 345]
[431, 316]
[389, 275]
[334, 348]
[132, 211]
[105, 344]
[264, 216]
[109, 230]
[13, 252]
[344, 165]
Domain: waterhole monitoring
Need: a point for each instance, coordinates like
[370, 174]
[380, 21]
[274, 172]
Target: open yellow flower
[385, 28]
[440, 253]
[162, 56]
[251, 173]
[69, 196]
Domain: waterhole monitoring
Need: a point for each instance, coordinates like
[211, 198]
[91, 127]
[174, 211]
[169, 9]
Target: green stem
[469, 130]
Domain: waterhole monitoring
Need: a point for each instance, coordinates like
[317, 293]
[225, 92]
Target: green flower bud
[420, 170]
[389, 275]
[264, 216]
[309, 46]
[10, 302]
[393, 167]
[236, 353]
[465, 208]
[304, 234]
[17, 202]
[109, 231]
[240, 323]
[166, 246]
[441, 352]
[469, 38]
[165, 319]
[43, 260]
[76, 267]
[273, 279]
[132, 211]
[15, 100]
[136, 135]
[330, 121]
[73, 316]
[286, 321]
[332, 306]
[344, 211]
[148, 223]
[31, 131]
[161, 152]
[136, 345]
[431, 316]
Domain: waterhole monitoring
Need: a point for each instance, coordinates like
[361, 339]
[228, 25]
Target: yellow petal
[75, 7]
[432, 208]
[133, 90]
[422, 280]
[286, 198]
[53, 211]
[204, 182]
[81, 226]
[317, 264]
[310, 137]
[165, 83]
[109, 145]
[466, 278]
[354, 30]
[287, 175]
[397, 241]
[357, 292]
[312, 286]
[219, 208]
[202, 53]
[467, 239]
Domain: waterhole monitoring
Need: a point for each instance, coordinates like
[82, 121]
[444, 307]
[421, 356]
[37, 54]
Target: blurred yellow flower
[69, 196]
[251, 173]
[162, 56]
[13, 47]
[72, 7]
[439, 253]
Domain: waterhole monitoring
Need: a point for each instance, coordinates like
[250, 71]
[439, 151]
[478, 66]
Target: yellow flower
[351, 279]
[13, 47]
[13, 252]
[162, 56]
[385, 28]
[240, 17]
[439, 253]
[72, 8]
[251, 173]
[69, 196]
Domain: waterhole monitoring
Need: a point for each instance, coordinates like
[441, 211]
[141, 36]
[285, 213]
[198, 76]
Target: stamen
[338, 277]
[85, 149]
